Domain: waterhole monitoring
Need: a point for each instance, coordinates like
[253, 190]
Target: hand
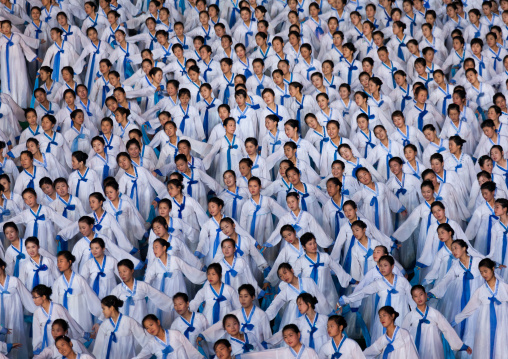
[155, 175]
[404, 212]
[43, 41]
[154, 204]
[95, 328]
[502, 266]
[39, 59]
[16, 345]
[259, 247]
[199, 340]
[266, 285]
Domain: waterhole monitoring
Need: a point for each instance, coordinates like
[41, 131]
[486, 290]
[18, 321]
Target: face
[95, 204]
[385, 268]
[378, 253]
[302, 306]
[107, 311]
[458, 251]
[11, 234]
[151, 326]
[32, 249]
[439, 213]
[311, 246]
[286, 275]
[64, 348]
[364, 177]
[443, 235]
[291, 338]
[385, 319]
[212, 277]
[486, 273]
[222, 351]
[358, 232]
[125, 273]
[289, 236]
[30, 199]
[228, 249]
[293, 203]
[436, 165]
[63, 264]
[97, 250]
[56, 331]
[181, 306]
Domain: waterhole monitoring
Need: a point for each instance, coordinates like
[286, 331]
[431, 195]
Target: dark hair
[181, 295]
[291, 327]
[306, 238]
[98, 241]
[389, 310]
[151, 317]
[224, 342]
[388, 259]
[339, 320]
[126, 263]
[248, 288]
[229, 316]
[67, 255]
[308, 299]
[418, 287]
[62, 323]
[112, 301]
[43, 291]
[216, 267]
[487, 263]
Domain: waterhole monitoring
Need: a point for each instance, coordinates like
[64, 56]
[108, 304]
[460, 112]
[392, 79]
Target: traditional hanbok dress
[45, 272]
[15, 297]
[377, 205]
[129, 219]
[41, 224]
[13, 52]
[191, 329]
[283, 353]
[463, 166]
[287, 299]
[102, 277]
[254, 323]
[462, 282]
[303, 223]
[480, 228]
[59, 56]
[427, 328]
[42, 322]
[95, 54]
[73, 210]
[347, 347]
[78, 298]
[382, 155]
[168, 278]
[320, 272]
[399, 346]
[30, 180]
[117, 340]
[490, 307]
[396, 294]
[83, 185]
[230, 153]
[135, 299]
[175, 346]
[217, 305]
[52, 351]
[52, 165]
[257, 218]
[141, 187]
[238, 273]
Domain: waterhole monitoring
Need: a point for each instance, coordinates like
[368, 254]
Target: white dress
[142, 187]
[175, 346]
[399, 346]
[426, 328]
[82, 186]
[482, 302]
[102, 277]
[78, 298]
[347, 347]
[287, 299]
[13, 298]
[217, 305]
[396, 294]
[135, 299]
[119, 339]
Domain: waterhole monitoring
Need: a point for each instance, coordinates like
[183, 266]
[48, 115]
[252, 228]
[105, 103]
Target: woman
[118, 334]
[102, 163]
[490, 303]
[65, 347]
[14, 49]
[396, 343]
[165, 343]
[45, 315]
[139, 184]
[166, 273]
[83, 181]
[391, 289]
[313, 325]
[15, 298]
[73, 292]
[135, 292]
[125, 212]
[339, 343]
[101, 271]
[46, 160]
[462, 279]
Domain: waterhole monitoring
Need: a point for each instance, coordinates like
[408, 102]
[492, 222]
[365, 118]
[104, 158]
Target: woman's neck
[390, 329]
[68, 273]
[338, 338]
[311, 314]
[464, 259]
[99, 212]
